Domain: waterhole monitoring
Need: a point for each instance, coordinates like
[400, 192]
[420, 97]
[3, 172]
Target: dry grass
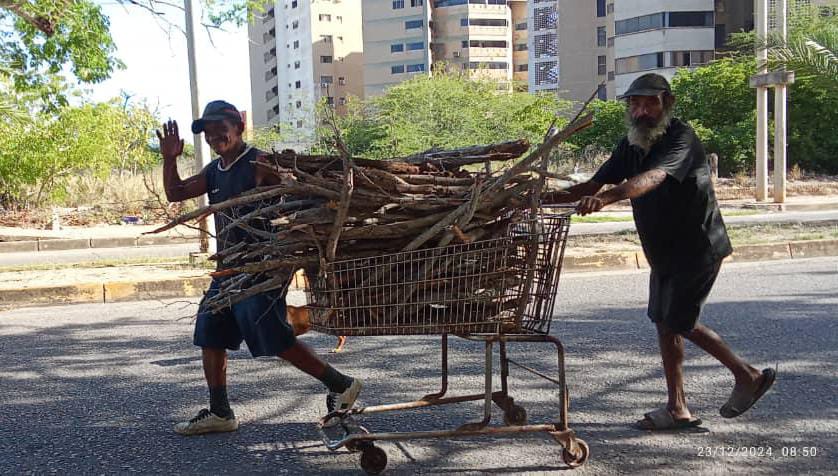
[744, 186]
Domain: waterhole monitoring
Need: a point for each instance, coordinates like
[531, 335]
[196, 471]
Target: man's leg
[750, 382]
[672, 354]
[302, 357]
[215, 372]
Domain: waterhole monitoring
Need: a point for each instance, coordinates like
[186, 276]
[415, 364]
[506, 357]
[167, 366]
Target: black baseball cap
[650, 84]
[216, 111]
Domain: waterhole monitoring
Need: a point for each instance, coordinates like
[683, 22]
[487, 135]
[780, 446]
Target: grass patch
[602, 218]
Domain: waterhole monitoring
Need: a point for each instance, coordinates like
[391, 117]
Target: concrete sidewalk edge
[194, 286]
[64, 244]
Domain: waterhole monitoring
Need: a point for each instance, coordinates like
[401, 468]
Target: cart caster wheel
[516, 415]
[373, 460]
[575, 461]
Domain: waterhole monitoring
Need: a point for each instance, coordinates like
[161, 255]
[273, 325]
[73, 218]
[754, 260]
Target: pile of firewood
[326, 209]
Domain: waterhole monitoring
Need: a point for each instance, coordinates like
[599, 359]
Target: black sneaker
[341, 401]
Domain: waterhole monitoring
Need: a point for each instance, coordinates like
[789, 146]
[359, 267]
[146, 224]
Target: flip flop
[730, 410]
[661, 420]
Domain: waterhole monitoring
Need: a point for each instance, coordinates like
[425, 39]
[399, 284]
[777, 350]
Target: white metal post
[780, 115]
[202, 155]
[761, 7]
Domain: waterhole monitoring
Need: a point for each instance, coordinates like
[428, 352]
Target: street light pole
[202, 156]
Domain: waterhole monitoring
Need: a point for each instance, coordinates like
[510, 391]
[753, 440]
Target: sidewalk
[148, 282]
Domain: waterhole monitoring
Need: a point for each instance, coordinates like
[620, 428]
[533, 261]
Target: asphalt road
[95, 389]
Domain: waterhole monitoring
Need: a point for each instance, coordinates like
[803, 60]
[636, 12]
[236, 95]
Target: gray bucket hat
[650, 84]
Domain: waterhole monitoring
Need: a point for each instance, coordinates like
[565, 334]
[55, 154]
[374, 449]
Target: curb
[63, 244]
[124, 291]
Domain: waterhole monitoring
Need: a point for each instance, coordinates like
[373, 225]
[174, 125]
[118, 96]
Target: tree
[609, 126]
[448, 110]
[42, 37]
[37, 159]
[717, 100]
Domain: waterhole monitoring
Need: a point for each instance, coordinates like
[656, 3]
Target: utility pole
[202, 155]
[780, 115]
[762, 104]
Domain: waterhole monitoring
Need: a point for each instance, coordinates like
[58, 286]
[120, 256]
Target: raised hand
[171, 145]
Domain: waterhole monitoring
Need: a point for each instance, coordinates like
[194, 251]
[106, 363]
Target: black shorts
[259, 320]
[676, 299]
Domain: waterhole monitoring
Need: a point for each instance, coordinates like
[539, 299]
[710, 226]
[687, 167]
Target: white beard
[645, 137]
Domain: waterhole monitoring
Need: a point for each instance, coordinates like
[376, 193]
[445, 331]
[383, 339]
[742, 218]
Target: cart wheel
[373, 459]
[356, 446]
[579, 459]
[516, 415]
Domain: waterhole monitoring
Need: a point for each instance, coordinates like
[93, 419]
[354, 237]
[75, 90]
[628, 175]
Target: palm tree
[811, 50]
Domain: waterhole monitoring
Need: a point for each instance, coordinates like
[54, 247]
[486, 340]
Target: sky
[157, 69]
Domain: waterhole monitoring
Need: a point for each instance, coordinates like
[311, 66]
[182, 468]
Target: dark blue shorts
[259, 321]
[676, 299]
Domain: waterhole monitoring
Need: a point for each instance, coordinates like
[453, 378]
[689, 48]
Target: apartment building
[403, 38]
[612, 42]
[300, 52]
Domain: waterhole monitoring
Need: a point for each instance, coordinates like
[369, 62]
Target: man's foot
[207, 422]
[341, 401]
[744, 396]
[662, 420]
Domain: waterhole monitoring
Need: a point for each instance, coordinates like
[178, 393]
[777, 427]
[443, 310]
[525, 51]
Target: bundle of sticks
[326, 209]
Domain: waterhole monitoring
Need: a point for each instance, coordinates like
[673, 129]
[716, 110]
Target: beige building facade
[301, 52]
[403, 38]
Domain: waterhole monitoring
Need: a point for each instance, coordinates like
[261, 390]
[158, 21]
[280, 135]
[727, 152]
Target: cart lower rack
[496, 291]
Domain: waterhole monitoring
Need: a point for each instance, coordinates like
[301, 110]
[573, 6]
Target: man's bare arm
[171, 146]
[572, 194]
[634, 187]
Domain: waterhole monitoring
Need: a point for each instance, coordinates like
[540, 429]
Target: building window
[641, 23]
[546, 46]
[295, 24]
[330, 100]
[326, 38]
[413, 24]
[294, 4]
[339, 19]
[416, 68]
[296, 44]
[397, 4]
[324, 80]
[342, 101]
[487, 44]
[419, 45]
[521, 47]
[690, 58]
[483, 22]
[600, 8]
[601, 92]
[609, 9]
[299, 104]
[465, 44]
[521, 26]
[522, 67]
[600, 36]
[451, 3]
[417, 3]
[677, 19]
[396, 48]
[299, 124]
[397, 69]
[546, 72]
[296, 65]
[611, 76]
[545, 18]
[325, 59]
[633, 64]
[601, 67]
[325, 17]
[298, 85]
[488, 65]
[342, 81]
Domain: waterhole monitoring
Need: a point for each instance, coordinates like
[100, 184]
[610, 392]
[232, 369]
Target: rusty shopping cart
[494, 291]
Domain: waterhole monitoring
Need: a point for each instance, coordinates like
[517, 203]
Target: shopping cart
[494, 291]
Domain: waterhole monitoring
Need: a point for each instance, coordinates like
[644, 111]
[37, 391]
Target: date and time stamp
[759, 451]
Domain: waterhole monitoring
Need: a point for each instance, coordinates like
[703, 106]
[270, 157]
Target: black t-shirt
[679, 222]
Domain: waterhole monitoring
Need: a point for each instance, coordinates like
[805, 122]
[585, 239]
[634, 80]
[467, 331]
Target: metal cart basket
[496, 291]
